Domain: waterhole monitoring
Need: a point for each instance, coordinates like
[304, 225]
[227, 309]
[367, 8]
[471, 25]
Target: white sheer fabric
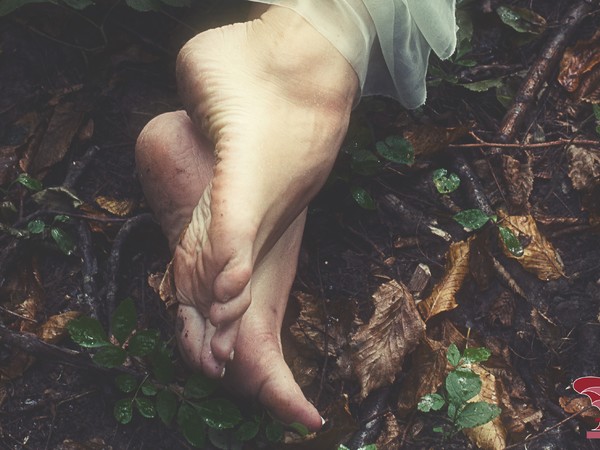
[387, 42]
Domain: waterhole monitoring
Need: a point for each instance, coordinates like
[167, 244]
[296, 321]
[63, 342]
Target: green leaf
[476, 414]
[224, 440]
[57, 198]
[596, 109]
[476, 354]
[126, 383]
[364, 162]
[472, 219]
[29, 182]
[274, 431]
[445, 183]
[166, 406]
[396, 149]
[124, 320]
[87, 332]
[342, 447]
[299, 428]
[144, 5]
[431, 402]
[123, 410]
[247, 431]
[62, 218]
[8, 6]
[462, 385]
[146, 407]
[219, 413]
[162, 366]
[437, 430]
[522, 20]
[110, 357]
[177, 3]
[453, 355]
[362, 197]
[143, 343]
[63, 240]
[36, 226]
[189, 420]
[484, 85]
[149, 389]
[78, 4]
[199, 386]
[512, 243]
[368, 447]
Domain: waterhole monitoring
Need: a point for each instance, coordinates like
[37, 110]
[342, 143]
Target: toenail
[223, 372]
[322, 421]
[231, 355]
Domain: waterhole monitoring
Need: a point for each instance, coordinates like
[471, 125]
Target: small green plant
[462, 384]
[194, 404]
[596, 109]
[367, 447]
[8, 6]
[445, 182]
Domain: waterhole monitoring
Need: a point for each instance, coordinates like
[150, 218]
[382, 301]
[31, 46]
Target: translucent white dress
[387, 42]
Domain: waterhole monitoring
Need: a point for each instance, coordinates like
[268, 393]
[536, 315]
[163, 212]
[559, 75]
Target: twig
[557, 143]
[89, 269]
[541, 69]
[115, 257]
[553, 427]
[471, 183]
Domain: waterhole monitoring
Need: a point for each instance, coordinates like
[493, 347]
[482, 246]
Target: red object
[590, 386]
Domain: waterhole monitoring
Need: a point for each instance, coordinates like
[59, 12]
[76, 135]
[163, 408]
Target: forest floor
[387, 280]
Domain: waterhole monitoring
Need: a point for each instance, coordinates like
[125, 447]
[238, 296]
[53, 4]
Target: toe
[190, 335]
[211, 367]
[232, 310]
[223, 342]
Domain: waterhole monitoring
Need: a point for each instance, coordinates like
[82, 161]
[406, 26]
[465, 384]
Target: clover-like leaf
[143, 343]
[198, 387]
[149, 389]
[462, 385]
[123, 410]
[364, 162]
[476, 414]
[274, 431]
[362, 197]
[166, 406]
[63, 240]
[224, 440]
[472, 219]
[190, 421]
[126, 383]
[162, 366]
[29, 182]
[146, 407]
[36, 226]
[110, 357]
[87, 332]
[219, 413]
[247, 431]
[445, 183]
[79, 4]
[124, 320]
[476, 354]
[299, 428]
[453, 355]
[396, 149]
[512, 243]
[431, 402]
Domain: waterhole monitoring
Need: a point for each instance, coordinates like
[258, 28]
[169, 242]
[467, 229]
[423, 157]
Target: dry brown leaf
[390, 436]
[580, 69]
[502, 310]
[309, 329]
[64, 125]
[584, 168]
[578, 404]
[540, 256]
[394, 330]
[119, 208]
[14, 366]
[457, 267]
[547, 331]
[491, 435]
[55, 328]
[165, 288]
[519, 181]
[430, 139]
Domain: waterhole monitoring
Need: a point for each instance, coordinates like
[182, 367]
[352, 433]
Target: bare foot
[175, 166]
[275, 97]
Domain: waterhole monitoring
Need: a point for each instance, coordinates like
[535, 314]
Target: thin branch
[557, 143]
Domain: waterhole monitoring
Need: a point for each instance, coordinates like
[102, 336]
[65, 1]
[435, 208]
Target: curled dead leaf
[579, 404]
[166, 288]
[519, 181]
[539, 257]
[55, 328]
[119, 208]
[380, 346]
[491, 435]
[430, 139]
[443, 296]
[584, 168]
[580, 69]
